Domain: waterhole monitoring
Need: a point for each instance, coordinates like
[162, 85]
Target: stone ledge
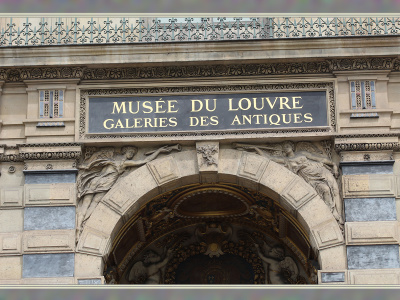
[50, 194]
[355, 186]
[46, 241]
[372, 233]
[376, 276]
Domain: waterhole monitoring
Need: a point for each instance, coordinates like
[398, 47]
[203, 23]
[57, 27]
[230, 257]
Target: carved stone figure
[99, 173]
[279, 269]
[151, 269]
[316, 169]
[207, 153]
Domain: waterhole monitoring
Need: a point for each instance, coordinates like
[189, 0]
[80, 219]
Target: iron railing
[77, 31]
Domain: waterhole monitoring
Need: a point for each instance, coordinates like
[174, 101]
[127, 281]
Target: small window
[363, 97]
[362, 94]
[51, 104]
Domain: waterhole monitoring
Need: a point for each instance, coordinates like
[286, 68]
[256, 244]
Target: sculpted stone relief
[311, 164]
[175, 240]
[99, 172]
[217, 253]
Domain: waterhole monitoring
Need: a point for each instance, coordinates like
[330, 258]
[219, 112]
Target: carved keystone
[207, 159]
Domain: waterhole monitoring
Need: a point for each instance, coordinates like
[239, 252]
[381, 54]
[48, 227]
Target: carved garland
[85, 73]
[328, 86]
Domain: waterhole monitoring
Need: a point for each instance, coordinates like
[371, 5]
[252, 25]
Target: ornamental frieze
[192, 71]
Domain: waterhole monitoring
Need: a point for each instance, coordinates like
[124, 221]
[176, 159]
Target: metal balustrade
[47, 31]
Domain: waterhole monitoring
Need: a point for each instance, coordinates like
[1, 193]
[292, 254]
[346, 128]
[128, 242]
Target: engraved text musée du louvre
[207, 112]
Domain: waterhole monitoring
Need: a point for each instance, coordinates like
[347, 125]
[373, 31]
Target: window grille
[362, 98]
[51, 104]
[362, 94]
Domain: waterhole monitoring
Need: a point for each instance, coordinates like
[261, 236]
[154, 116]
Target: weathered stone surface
[45, 281]
[89, 281]
[228, 166]
[275, 178]
[11, 220]
[333, 258]
[327, 234]
[48, 177]
[48, 265]
[10, 267]
[327, 277]
[104, 219]
[88, 265]
[48, 241]
[10, 243]
[359, 168]
[49, 218]
[11, 197]
[374, 277]
[93, 241]
[370, 209]
[187, 166]
[368, 186]
[297, 193]
[373, 257]
[50, 194]
[364, 233]
[313, 214]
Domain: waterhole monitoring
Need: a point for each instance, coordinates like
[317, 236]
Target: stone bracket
[207, 160]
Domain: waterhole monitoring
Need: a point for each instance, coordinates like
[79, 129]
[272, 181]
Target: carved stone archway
[246, 169]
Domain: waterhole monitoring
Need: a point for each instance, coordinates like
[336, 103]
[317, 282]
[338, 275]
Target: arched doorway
[299, 205]
[212, 234]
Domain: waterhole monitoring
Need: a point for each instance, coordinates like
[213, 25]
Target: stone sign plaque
[208, 112]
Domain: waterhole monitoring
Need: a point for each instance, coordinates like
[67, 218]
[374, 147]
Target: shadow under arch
[247, 170]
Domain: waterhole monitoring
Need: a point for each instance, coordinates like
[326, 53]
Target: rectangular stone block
[10, 243]
[90, 281]
[164, 169]
[48, 265]
[93, 241]
[330, 277]
[50, 194]
[367, 167]
[359, 233]
[370, 209]
[50, 176]
[297, 193]
[49, 218]
[252, 166]
[88, 266]
[45, 281]
[10, 267]
[368, 186]
[48, 241]
[327, 234]
[374, 277]
[11, 196]
[373, 257]
[11, 220]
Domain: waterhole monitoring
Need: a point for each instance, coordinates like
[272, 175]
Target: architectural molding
[193, 71]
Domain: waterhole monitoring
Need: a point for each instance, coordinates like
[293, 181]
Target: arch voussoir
[248, 169]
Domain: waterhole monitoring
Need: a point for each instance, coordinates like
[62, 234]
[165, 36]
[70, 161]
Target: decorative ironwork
[122, 30]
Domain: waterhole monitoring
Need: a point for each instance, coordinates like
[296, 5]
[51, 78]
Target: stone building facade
[199, 150]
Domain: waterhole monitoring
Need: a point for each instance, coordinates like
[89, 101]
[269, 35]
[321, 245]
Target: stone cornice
[201, 71]
[22, 152]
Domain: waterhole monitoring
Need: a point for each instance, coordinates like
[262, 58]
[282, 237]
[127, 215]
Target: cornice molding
[201, 71]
